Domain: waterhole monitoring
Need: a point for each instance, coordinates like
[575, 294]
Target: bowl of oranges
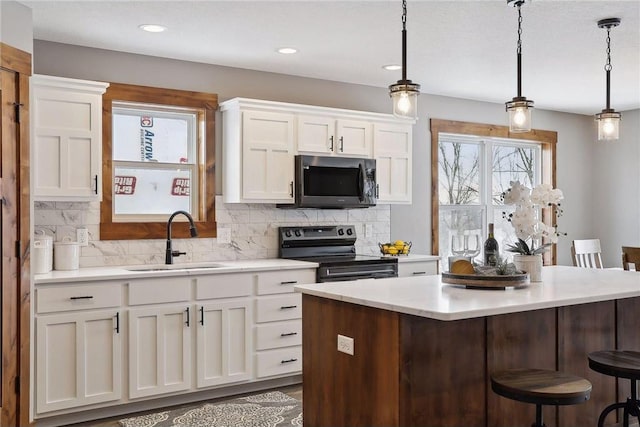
[399, 247]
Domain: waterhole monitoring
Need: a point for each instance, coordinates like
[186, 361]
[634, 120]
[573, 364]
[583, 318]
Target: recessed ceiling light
[287, 50]
[152, 28]
[392, 67]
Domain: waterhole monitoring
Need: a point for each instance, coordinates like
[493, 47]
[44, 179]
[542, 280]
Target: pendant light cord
[404, 40]
[608, 67]
[519, 51]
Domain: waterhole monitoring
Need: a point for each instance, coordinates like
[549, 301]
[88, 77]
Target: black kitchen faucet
[170, 253]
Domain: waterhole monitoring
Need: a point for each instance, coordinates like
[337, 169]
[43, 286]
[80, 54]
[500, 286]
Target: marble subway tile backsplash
[254, 232]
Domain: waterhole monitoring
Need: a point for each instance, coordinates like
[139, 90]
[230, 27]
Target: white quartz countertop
[159, 270]
[427, 296]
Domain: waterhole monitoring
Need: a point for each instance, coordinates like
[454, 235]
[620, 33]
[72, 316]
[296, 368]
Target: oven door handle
[358, 273]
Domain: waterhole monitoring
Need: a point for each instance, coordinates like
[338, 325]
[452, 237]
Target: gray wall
[576, 146]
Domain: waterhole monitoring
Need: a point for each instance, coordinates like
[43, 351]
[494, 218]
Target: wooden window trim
[206, 227]
[547, 139]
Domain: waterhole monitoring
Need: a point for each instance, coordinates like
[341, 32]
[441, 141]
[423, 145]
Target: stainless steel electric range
[333, 248]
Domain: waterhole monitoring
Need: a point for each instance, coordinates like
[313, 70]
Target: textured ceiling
[464, 49]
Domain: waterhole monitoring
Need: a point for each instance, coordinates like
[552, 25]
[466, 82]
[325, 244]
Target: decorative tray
[482, 281]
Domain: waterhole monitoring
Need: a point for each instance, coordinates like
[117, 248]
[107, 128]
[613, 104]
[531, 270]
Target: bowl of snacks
[399, 247]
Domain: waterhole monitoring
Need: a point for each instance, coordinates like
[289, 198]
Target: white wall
[16, 28]
[407, 222]
[616, 190]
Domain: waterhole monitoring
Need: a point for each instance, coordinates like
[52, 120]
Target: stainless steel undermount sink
[182, 266]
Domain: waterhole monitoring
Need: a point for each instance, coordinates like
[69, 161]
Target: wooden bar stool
[541, 387]
[619, 364]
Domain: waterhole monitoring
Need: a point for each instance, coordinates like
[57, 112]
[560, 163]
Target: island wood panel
[519, 340]
[443, 380]
[627, 338]
[583, 329]
[344, 390]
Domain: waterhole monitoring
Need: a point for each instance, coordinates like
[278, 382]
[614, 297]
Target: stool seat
[616, 363]
[541, 386]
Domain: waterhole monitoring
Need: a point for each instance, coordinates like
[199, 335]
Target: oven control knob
[287, 233]
[340, 231]
[298, 234]
[349, 231]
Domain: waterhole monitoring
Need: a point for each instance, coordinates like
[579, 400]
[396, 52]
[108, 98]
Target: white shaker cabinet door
[78, 359]
[316, 135]
[67, 138]
[392, 150]
[353, 138]
[267, 156]
[223, 344]
[159, 350]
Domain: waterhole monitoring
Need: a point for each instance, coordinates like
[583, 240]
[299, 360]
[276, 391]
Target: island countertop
[427, 296]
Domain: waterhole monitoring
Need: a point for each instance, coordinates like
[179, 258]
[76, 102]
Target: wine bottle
[491, 250]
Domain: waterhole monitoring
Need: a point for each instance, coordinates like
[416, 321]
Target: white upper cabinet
[323, 135]
[67, 138]
[260, 139]
[392, 147]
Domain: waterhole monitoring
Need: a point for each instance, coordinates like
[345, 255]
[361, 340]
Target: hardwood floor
[294, 391]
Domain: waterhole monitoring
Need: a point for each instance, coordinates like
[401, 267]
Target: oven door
[336, 273]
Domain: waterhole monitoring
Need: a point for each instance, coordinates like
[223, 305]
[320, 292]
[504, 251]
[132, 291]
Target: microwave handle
[361, 177]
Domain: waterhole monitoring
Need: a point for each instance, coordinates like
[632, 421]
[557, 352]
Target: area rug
[260, 410]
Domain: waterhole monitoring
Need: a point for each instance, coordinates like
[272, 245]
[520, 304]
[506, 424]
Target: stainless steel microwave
[334, 182]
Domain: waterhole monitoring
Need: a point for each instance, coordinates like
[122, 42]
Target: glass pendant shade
[608, 125]
[404, 96]
[519, 110]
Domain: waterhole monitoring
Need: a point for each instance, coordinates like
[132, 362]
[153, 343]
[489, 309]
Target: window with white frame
[155, 161]
[473, 172]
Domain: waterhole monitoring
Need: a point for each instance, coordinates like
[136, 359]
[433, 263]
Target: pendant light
[519, 108]
[608, 120]
[404, 93]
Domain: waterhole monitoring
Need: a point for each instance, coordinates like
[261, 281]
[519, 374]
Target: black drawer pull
[419, 273]
[288, 361]
[284, 307]
[288, 334]
[84, 297]
[187, 322]
[290, 282]
[117, 322]
[202, 316]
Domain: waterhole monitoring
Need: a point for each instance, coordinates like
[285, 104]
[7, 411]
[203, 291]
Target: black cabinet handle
[288, 360]
[331, 146]
[187, 322]
[288, 334]
[290, 282]
[117, 322]
[419, 273]
[202, 316]
[377, 191]
[285, 307]
[95, 178]
[83, 297]
[291, 188]
[341, 144]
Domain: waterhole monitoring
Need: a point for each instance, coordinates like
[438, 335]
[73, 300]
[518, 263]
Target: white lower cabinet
[78, 359]
[223, 343]
[159, 350]
[417, 268]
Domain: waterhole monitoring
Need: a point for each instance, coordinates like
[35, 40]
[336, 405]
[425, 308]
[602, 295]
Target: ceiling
[464, 49]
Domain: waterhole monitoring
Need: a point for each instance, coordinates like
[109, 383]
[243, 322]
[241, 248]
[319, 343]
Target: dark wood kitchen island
[423, 350]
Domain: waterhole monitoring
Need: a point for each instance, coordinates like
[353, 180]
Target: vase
[531, 264]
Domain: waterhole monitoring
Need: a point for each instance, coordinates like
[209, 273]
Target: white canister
[42, 257]
[66, 255]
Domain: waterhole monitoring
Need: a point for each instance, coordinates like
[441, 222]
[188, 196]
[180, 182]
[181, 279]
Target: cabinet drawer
[281, 307]
[280, 334]
[423, 268]
[224, 285]
[155, 291]
[280, 282]
[81, 297]
[279, 362]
